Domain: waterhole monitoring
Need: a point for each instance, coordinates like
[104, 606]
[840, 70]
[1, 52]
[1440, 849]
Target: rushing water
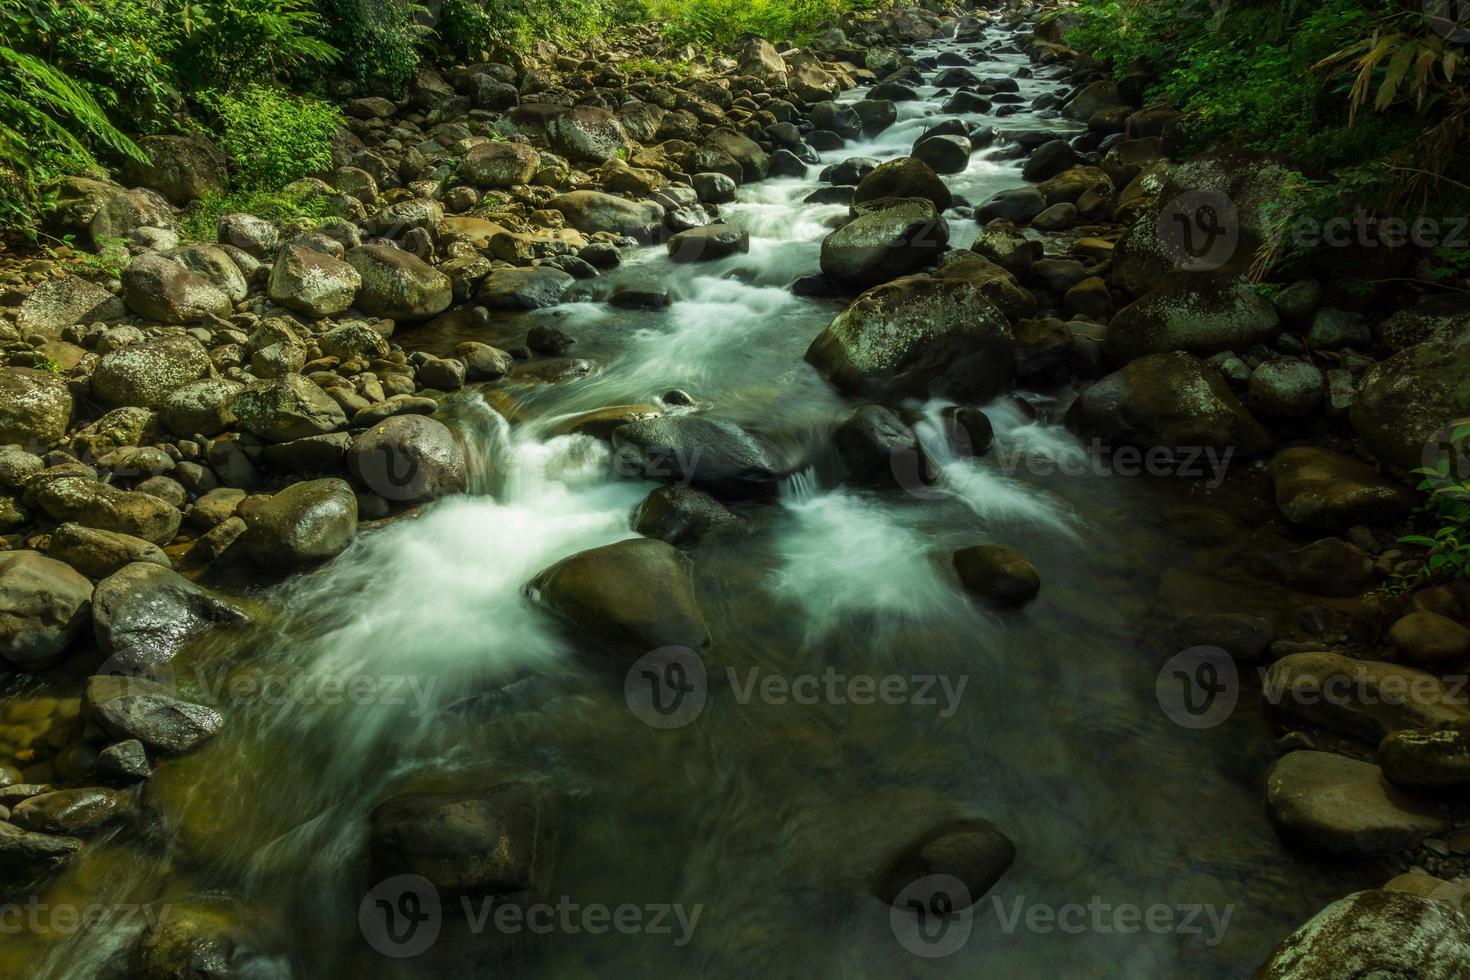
[767, 818]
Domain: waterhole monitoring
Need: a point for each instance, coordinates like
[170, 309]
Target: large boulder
[708, 242]
[588, 133]
[301, 525]
[97, 553]
[131, 707]
[43, 605]
[753, 161]
[287, 408]
[636, 595]
[904, 177]
[181, 168]
[125, 212]
[1327, 491]
[145, 614]
[1363, 698]
[491, 842]
[1212, 212]
[1426, 760]
[715, 454]
[399, 285]
[25, 855]
[1339, 805]
[214, 265]
[1384, 934]
[1174, 401]
[1406, 404]
[679, 515]
[592, 211]
[760, 59]
[64, 301]
[35, 407]
[89, 503]
[492, 166]
[161, 289]
[210, 938]
[409, 458]
[884, 243]
[523, 289]
[144, 375]
[203, 407]
[918, 336]
[313, 282]
[1199, 313]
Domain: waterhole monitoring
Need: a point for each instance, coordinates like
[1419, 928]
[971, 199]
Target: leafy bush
[379, 40]
[720, 22]
[229, 43]
[48, 125]
[274, 136]
[121, 52]
[1447, 509]
[201, 221]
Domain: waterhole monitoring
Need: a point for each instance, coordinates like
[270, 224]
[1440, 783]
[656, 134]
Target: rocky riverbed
[814, 507]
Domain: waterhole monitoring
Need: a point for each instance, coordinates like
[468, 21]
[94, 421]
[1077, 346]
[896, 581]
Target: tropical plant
[228, 43]
[274, 136]
[48, 125]
[1447, 509]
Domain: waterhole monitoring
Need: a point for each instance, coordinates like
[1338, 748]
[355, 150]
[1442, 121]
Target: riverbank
[375, 521]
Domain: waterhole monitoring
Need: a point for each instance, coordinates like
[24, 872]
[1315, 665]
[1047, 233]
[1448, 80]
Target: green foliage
[379, 40]
[719, 23]
[201, 221]
[1448, 511]
[231, 43]
[274, 136]
[120, 51]
[48, 125]
[110, 259]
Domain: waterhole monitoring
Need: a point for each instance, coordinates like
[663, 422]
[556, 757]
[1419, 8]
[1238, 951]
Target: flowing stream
[766, 817]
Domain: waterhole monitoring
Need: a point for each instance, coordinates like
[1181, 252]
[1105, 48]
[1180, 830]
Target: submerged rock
[997, 573]
[1339, 805]
[490, 843]
[974, 852]
[138, 709]
[680, 515]
[637, 595]
[715, 454]
[25, 855]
